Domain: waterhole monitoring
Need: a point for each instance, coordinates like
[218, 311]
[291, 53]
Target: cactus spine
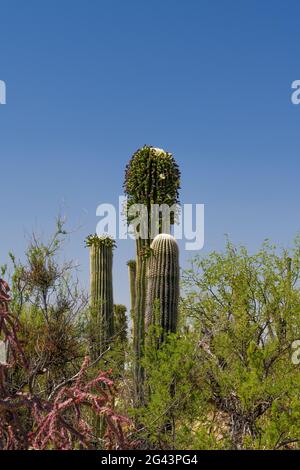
[163, 284]
[101, 291]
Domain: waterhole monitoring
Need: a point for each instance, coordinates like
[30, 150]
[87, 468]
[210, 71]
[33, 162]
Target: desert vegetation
[203, 359]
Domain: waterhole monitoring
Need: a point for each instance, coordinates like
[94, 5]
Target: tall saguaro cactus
[101, 291]
[132, 284]
[152, 177]
[163, 284]
[139, 319]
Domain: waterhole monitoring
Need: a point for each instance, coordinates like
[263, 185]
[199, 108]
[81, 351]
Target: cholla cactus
[163, 284]
[101, 290]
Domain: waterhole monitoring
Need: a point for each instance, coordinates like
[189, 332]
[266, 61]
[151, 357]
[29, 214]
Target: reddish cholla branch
[9, 326]
[61, 421]
[4, 291]
[55, 429]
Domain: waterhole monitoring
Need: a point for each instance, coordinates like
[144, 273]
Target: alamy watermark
[296, 353]
[3, 353]
[295, 97]
[2, 92]
[140, 221]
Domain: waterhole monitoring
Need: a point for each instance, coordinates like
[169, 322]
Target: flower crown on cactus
[103, 240]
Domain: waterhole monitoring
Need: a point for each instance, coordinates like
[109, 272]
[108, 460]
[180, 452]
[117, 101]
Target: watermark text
[2, 92]
[141, 221]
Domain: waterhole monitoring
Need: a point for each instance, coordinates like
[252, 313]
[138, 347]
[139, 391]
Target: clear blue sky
[88, 82]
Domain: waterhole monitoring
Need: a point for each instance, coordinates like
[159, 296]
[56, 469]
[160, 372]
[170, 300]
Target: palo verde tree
[235, 359]
[152, 177]
[245, 309]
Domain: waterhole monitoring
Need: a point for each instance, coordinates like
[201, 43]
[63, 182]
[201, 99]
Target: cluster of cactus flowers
[58, 422]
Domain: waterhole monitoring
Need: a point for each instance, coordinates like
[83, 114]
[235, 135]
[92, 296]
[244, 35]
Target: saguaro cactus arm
[163, 284]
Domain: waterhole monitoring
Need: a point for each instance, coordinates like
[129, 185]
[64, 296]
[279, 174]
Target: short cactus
[101, 291]
[163, 284]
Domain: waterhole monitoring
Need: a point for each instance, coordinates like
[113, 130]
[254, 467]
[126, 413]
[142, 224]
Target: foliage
[227, 379]
[120, 340]
[224, 380]
[30, 421]
[50, 308]
[245, 309]
[171, 392]
[120, 325]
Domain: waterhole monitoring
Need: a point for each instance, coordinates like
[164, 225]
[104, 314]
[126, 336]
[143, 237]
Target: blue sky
[88, 82]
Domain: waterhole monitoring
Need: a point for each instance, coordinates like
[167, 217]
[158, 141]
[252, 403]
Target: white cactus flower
[164, 236]
[158, 151]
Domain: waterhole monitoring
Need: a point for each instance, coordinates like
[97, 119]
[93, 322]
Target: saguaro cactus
[120, 335]
[132, 284]
[152, 177]
[163, 284]
[139, 320]
[101, 291]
